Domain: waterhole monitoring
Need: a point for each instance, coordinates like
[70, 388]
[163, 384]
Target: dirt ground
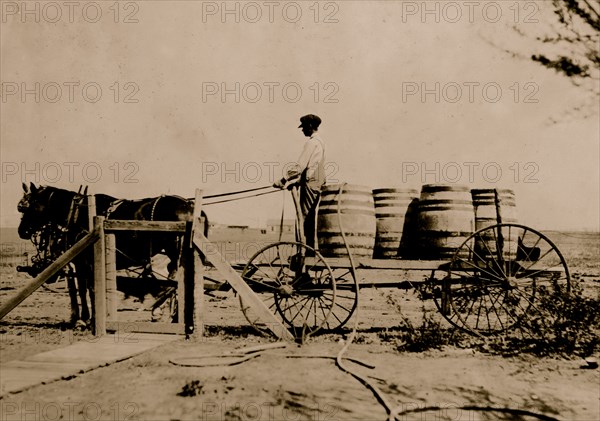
[455, 383]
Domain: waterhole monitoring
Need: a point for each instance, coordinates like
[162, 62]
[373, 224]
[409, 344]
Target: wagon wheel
[300, 290]
[498, 277]
[346, 299]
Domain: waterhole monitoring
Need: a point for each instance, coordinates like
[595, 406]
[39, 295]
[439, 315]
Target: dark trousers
[309, 201]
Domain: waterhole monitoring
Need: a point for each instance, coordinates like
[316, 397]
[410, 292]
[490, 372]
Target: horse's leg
[84, 281]
[205, 229]
[173, 249]
[72, 286]
[90, 288]
[206, 223]
[172, 268]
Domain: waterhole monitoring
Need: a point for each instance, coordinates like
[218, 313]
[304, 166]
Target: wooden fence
[189, 278]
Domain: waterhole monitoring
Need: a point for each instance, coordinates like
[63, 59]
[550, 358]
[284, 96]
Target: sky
[138, 99]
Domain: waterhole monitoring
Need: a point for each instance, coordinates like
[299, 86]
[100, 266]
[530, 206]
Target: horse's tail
[206, 223]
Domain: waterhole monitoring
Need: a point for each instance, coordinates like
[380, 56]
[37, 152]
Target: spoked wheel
[498, 277]
[346, 299]
[299, 290]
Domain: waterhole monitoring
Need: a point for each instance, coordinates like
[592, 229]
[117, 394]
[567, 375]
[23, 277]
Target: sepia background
[137, 99]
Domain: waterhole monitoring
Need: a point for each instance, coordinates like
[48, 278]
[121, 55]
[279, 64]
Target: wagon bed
[493, 283]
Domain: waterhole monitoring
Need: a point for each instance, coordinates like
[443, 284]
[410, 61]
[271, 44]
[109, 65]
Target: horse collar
[154, 206]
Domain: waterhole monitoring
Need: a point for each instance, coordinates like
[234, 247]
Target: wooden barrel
[358, 220]
[445, 220]
[484, 203]
[394, 211]
[486, 214]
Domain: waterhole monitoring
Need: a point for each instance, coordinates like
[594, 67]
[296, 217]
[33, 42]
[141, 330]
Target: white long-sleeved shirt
[311, 162]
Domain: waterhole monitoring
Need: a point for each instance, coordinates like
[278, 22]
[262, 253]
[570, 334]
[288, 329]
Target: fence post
[99, 278]
[181, 277]
[198, 272]
[91, 210]
[111, 277]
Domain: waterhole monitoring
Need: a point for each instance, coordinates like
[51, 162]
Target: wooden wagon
[493, 283]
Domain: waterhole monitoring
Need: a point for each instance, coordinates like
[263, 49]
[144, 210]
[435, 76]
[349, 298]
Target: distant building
[274, 224]
[241, 228]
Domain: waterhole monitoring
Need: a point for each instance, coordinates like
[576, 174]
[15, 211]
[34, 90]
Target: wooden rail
[241, 287]
[47, 273]
[124, 225]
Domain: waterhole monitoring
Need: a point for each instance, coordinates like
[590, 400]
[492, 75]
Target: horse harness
[51, 239]
[152, 219]
[115, 204]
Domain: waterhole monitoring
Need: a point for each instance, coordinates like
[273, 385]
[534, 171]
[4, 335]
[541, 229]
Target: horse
[65, 215]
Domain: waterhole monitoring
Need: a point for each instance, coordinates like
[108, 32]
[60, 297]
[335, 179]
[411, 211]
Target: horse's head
[24, 202]
[33, 206]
